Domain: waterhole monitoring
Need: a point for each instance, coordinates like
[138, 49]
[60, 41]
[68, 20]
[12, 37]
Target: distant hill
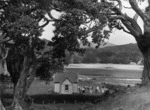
[121, 48]
[109, 53]
[92, 45]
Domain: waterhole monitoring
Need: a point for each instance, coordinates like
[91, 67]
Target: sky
[118, 37]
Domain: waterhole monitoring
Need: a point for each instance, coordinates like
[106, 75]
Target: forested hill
[118, 54]
[127, 48]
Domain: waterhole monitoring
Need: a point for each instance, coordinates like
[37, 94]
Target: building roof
[61, 77]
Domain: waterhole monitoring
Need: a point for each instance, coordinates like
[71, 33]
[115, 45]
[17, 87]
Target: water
[109, 73]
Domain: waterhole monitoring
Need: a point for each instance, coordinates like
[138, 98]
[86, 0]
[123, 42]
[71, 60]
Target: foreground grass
[59, 106]
[137, 98]
[133, 98]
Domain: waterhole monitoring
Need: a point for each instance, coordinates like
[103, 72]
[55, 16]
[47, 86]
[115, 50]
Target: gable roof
[61, 77]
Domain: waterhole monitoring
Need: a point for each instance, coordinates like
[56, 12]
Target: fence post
[43, 105]
[64, 101]
[32, 101]
[75, 101]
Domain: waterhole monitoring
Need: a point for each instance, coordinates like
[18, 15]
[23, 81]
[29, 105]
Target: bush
[57, 98]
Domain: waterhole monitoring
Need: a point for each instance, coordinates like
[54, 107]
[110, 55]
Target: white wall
[57, 87]
[63, 91]
[75, 88]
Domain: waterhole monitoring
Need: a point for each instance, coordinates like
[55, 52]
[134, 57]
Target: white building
[65, 83]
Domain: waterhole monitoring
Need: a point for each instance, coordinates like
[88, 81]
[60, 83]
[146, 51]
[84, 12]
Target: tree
[98, 18]
[22, 23]
[3, 66]
[48, 68]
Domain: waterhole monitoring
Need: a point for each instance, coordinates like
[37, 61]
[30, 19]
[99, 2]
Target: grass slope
[137, 98]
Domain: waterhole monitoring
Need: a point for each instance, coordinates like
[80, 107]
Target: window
[66, 87]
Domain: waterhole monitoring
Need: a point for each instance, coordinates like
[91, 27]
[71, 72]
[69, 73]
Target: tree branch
[46, 23]
[136, 8]
[149, 2]
[127, 7]
[6, 54]
[50, 15]
[122, 28]
[32, 72]
[119, 3]
[135, 17]
[130, 24]
[93, 29]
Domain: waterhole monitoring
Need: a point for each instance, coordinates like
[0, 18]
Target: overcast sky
[117, 37]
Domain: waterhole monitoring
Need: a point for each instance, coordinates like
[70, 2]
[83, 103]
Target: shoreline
[106, 66]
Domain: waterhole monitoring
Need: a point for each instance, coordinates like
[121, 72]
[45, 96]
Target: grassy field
[115, 74]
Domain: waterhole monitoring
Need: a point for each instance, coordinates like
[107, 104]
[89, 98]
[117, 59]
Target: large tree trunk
[1, 106]
[3, 71]
[1, 92]
[30, 79]
[25, 80]
[146, 70]
[144, 46]
[20, 89]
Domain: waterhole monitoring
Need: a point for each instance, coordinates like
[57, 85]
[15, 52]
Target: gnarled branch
[136, 8]
[130, 24]
[122, 28]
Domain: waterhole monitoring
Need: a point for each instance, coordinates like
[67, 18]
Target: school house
[65, 83]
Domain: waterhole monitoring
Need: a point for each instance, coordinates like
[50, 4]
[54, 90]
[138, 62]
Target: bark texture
[141, 36]
[20, 89]
[146, 70]
[1, 91]
[1, 106]
[26, 78]
[144, 46]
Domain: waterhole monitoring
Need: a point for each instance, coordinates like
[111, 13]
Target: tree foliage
[22, 23]
[98, 18]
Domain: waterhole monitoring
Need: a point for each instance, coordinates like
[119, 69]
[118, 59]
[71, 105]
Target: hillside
[121, 48]
[117, 54]
[92, 45]
[137, 98]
